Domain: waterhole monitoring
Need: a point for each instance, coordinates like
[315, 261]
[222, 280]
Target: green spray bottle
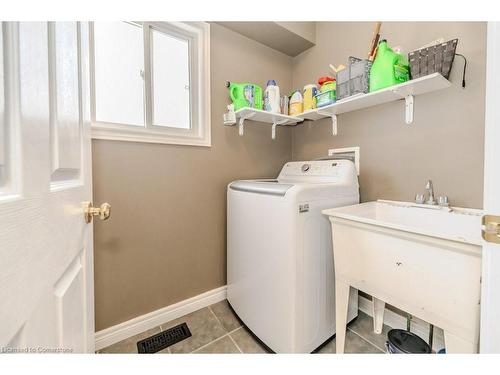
[388, 69]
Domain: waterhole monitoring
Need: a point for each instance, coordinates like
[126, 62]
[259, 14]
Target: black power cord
[465, 67]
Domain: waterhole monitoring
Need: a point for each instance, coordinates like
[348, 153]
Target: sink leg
[457, 345]
[378, 315]
[341, 307]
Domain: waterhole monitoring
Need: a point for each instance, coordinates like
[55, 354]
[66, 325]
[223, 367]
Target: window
[150, 82]
[170, 91]
[118, 72]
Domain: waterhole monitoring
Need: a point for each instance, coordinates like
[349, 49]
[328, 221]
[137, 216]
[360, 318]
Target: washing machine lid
[267, 187]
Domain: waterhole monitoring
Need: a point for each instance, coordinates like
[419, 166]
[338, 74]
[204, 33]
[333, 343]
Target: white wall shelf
[261, 116]
[407, 91]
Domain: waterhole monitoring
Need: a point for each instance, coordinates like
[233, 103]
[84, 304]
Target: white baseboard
[394, 320]
[153, 319]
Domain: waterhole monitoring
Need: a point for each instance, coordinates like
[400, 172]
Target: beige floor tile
[363, 326]
[246, 342]
[226, 315]
[328, 348]
[207, 330]
[221, 346]
[130, 345]
[353, 344]
[204, 328]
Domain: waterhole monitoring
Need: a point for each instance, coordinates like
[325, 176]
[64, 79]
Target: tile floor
[216, 329]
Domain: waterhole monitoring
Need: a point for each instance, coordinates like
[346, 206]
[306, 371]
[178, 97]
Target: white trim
[117, 133]
[153, 319]
[198, 35]
[490, 302]
[394, 320]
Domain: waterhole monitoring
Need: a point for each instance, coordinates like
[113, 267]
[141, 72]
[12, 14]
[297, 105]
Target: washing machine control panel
[315, 171]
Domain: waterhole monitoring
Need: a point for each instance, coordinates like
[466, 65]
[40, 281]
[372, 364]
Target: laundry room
[218, 236]
[218, 185]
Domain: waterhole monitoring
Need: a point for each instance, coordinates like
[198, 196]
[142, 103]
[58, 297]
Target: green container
[327, 86]
[245, 95]
[388, 69]
[325, 98]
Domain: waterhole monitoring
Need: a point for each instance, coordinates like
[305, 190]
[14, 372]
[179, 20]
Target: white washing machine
[280, 274]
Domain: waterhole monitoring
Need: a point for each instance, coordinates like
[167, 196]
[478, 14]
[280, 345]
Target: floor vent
[164, 339]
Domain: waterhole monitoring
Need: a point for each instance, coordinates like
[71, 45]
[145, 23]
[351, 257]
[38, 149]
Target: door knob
[89, 211]
[491, 228]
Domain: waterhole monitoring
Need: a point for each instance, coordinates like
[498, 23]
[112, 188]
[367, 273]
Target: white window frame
[198, 36]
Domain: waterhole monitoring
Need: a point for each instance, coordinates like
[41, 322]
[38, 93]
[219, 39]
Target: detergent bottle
[245, 95]
[296, 103]
[272, 97]
[388, 69]
[310, 92]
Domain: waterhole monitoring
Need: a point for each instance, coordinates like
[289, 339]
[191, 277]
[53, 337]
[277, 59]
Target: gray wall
[165, 241]
[445, 142]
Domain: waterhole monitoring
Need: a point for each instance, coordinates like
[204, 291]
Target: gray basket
[354, 79]
[438, 58]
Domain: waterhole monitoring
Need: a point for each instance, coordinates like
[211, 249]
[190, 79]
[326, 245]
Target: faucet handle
[420, 198]
[443, 201]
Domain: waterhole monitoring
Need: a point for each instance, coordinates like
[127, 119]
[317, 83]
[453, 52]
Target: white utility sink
[424, 260]
[456, 224]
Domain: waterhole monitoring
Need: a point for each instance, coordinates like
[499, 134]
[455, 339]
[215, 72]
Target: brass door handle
[89, 211]
[491, 228]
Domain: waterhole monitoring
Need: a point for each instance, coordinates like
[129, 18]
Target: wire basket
[354, 79]
[434, 59]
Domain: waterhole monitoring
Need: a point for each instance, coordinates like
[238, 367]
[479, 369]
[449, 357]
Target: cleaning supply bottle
[388, 69]
[296, 102]
[284, 104]
[245, 95]
[272, 97]
[229, 117]
[327, 91]
[310, 92]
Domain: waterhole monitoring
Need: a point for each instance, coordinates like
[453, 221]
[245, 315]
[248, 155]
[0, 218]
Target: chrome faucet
[430, 190]
[442, 201]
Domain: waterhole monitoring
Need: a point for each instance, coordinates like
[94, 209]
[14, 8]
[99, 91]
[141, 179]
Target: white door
[46, 262]
[490, 293]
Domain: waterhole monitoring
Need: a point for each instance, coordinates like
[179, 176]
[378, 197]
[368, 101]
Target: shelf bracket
[275, 124]
[334, 124]
[241, 122]
[409, 109]
[334, 121]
